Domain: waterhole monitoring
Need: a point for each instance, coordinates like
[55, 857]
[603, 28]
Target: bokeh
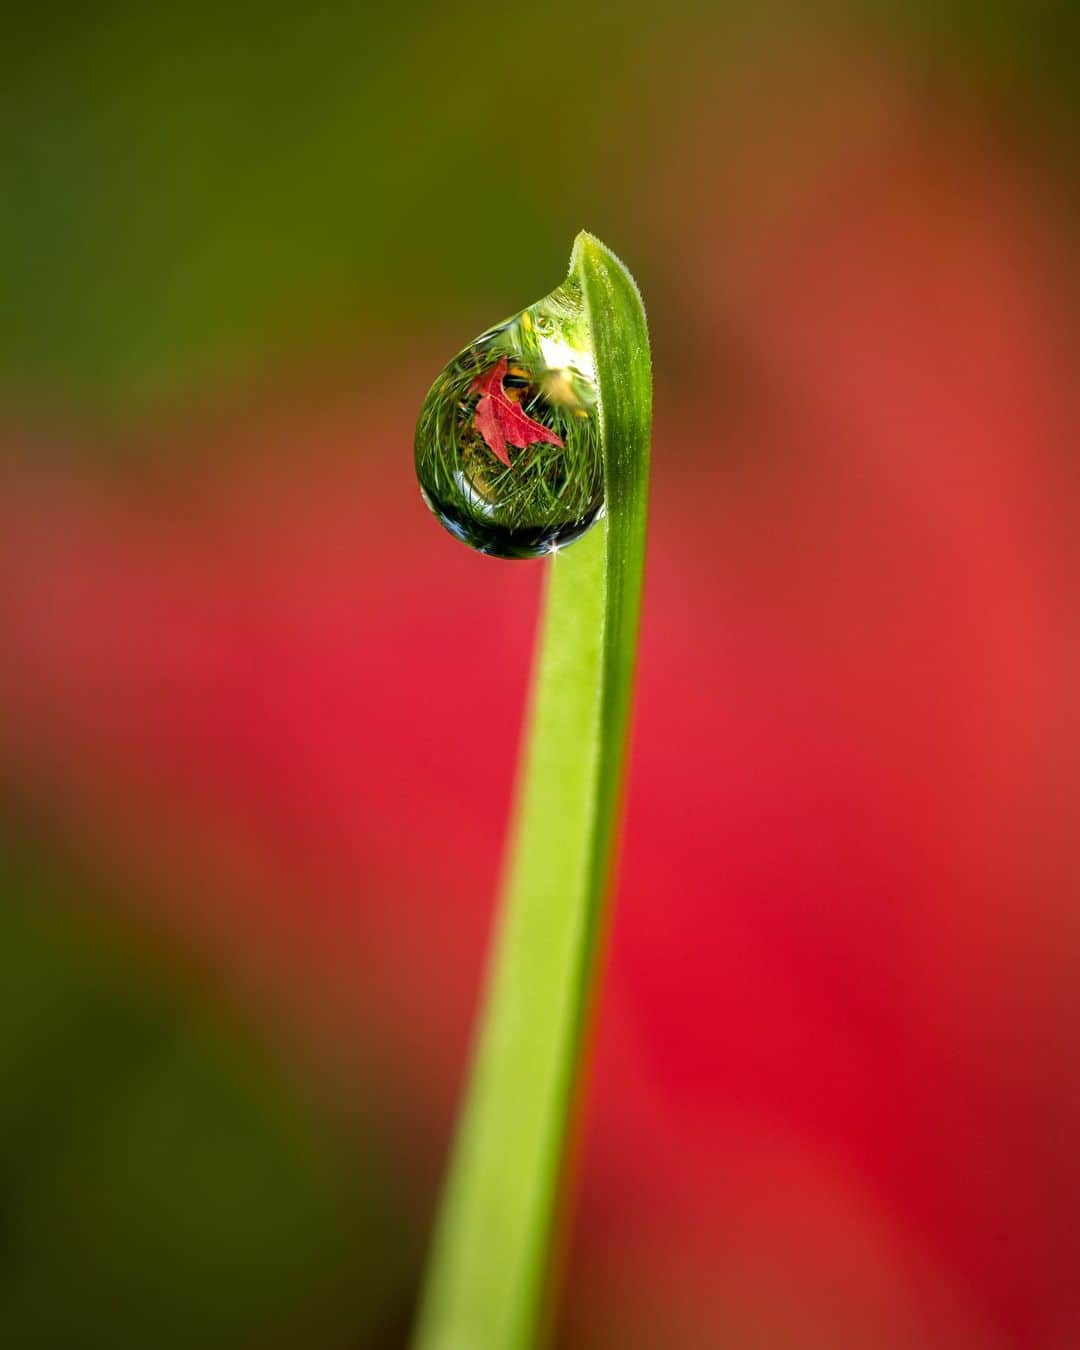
[259, 715]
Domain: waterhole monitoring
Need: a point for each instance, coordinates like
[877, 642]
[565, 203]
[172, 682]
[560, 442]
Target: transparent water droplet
[508, 439]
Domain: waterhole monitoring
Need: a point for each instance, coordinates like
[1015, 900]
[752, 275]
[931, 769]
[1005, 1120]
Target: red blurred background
[260, 714]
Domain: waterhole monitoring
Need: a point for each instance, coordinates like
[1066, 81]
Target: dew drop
[508, 439]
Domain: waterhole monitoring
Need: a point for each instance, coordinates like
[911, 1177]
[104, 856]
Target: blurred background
[258, 713]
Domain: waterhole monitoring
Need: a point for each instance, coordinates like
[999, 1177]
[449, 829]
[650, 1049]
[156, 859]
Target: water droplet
[508, 439]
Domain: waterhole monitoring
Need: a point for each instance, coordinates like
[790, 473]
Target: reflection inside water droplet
[508, 440]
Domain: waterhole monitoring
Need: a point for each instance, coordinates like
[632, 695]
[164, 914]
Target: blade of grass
[491, 1260]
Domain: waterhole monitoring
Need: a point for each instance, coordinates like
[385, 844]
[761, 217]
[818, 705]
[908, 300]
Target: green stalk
[490, 1267]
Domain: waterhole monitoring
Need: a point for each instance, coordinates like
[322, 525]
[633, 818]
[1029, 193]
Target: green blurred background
[194, 191]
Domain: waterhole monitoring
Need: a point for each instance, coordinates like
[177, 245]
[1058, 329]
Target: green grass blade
[491, 1260]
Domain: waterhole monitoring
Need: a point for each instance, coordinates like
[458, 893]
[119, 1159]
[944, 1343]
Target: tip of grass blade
[586, 243]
